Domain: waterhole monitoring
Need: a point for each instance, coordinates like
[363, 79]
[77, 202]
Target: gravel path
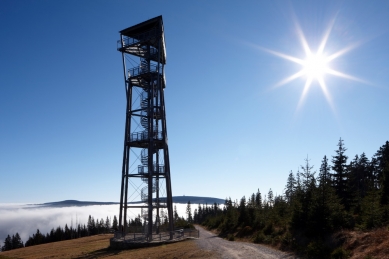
[234, 249]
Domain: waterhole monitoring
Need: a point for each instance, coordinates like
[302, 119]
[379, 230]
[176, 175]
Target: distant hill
[176, 199]
[197, 200]
[72, 203]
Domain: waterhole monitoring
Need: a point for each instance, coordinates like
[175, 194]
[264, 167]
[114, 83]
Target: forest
[93, 227]
[344, 195]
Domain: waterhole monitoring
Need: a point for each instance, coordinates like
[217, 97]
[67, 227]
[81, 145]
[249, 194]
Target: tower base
[140, 240]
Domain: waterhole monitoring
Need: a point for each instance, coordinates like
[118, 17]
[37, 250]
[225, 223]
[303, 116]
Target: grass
[367, 244]
[97, 247]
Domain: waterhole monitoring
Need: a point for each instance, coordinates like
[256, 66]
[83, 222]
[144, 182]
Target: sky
[233, 125]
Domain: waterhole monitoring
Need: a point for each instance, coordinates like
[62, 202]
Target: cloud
[26, 219]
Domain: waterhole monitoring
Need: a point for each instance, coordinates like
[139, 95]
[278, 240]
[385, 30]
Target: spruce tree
[290, 187]
[324, 180]
[7, 244]
[270, 197]
[307, 174]
[371, 211]
[382, 156]
[107, 225]
[252, 201]
[325, 174]
[340, 171]
[358, 181]
[243, 215]
[17, 241]
[258, 200]
[326, 210]
[189, 213]
[364, 174]
[175, 213]
[115, 224]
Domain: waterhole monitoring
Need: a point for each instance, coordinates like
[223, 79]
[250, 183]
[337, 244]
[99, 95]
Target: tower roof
[134, 30]
[137, 31]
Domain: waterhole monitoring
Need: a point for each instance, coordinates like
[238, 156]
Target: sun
[315, 65]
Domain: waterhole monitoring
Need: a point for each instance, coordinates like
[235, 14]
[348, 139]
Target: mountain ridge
[176, 199]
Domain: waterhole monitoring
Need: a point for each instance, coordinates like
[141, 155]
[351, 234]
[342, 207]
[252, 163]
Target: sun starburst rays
[315, 65]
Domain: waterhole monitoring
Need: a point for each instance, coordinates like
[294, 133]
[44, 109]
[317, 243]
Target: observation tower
[145, 180]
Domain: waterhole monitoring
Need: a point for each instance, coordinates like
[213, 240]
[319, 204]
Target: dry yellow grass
[97, 247]
[371, 244]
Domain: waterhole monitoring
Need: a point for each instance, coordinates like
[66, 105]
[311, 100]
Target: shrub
[287, 239]
[181, 223]
[340, 253]
[259, 238]
[247, 230]
[317, 249]
[214, 221]
[269, 229]
[230, 237]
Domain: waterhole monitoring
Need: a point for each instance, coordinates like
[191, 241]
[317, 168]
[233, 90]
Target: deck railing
[140, 70]
[144, 135]
[127, 41]
[163, 236]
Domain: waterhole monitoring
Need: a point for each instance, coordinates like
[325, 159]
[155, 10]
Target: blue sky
[62, 99]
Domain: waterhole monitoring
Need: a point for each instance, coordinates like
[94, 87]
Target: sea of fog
[26, 219]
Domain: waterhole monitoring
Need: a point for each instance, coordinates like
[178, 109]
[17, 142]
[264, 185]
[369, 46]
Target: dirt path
[234, 249]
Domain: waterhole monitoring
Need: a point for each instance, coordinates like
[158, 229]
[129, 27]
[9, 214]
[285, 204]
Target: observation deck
[138, 38]
[141, 75]
[141, 139]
